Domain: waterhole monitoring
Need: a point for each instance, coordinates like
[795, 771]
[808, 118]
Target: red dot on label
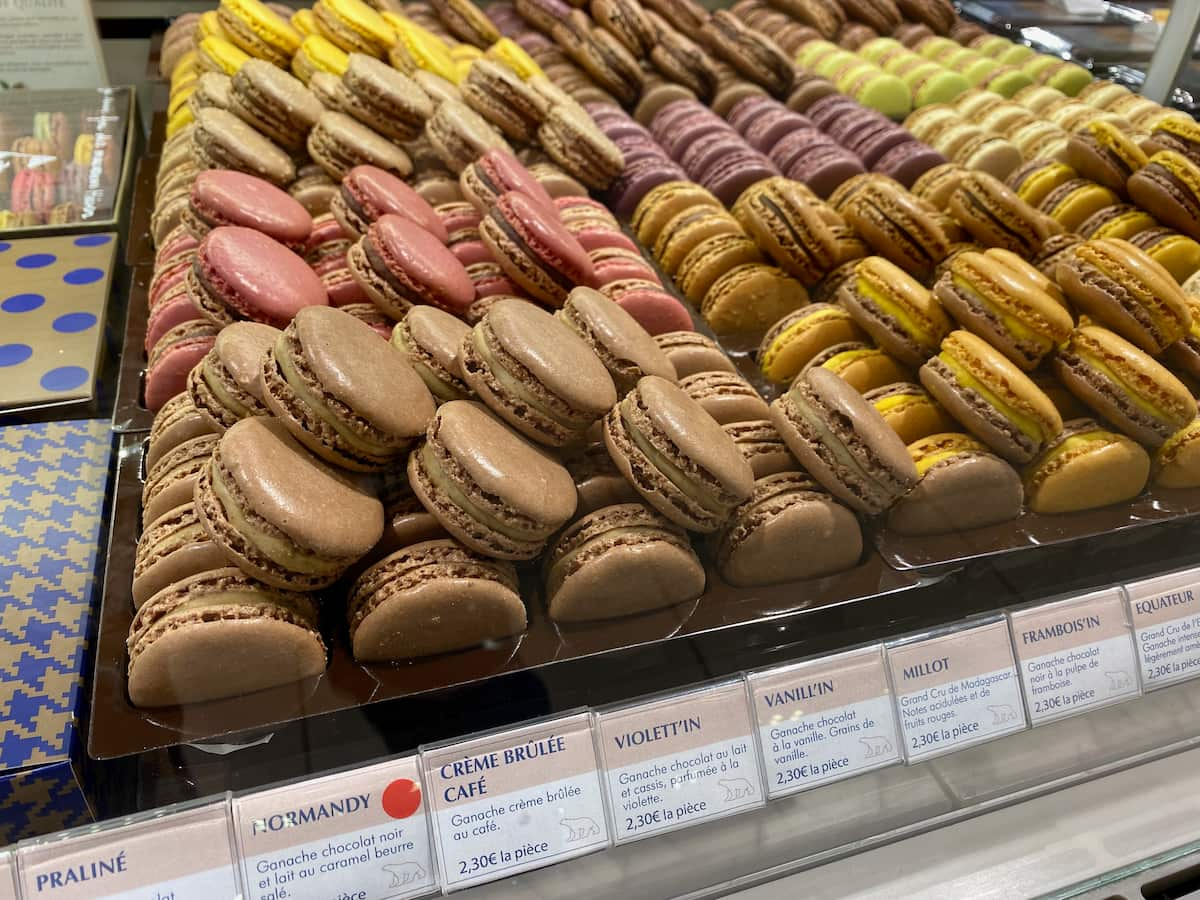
[401, 798]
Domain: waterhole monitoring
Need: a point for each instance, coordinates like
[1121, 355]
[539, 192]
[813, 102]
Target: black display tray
[119, 729]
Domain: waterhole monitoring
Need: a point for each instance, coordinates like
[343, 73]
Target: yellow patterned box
[53, 478]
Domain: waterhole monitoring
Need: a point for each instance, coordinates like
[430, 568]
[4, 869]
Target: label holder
[1152, 676]
[1017, 718]
[244, 853]
[812, 662]
[736, 686]
[567, 718]
[1062, 601]
[96, 834]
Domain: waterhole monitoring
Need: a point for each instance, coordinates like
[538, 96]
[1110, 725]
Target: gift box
[54, 475]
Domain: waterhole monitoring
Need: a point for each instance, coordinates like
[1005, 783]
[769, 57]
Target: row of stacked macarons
[504, 453]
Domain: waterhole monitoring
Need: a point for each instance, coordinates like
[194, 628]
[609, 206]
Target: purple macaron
[771, 127]
[735, 172]
[639, 177]
[797, 144]
[870, 142]
[824, 168]
[908, 162]
[748, 109]
[826, 111]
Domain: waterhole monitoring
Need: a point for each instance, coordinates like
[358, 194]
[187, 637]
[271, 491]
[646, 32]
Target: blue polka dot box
[53, 295]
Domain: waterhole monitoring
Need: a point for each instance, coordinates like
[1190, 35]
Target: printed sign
[679, 761]
[824, 720]
[956, 689]
[515, 801]
[359, 835]
[182, 855]
[1075, 654]
[1166, 627]
[49, 44]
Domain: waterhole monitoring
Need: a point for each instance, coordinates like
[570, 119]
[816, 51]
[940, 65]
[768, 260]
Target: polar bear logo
[405, 873]
[1119, 681]
[580, 828]
[1002, 713]
[736, 788]
[877, 745]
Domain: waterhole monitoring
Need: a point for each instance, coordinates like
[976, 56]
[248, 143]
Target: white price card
[1166, 627]
[176, 855]
[515, 800]
[1075, 654]
[955, 689]
[356, 835]
[8, 875]
[50, 44]
[679, 761]
[824, 720]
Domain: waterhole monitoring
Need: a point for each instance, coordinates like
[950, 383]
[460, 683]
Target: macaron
[490, 488]
[399, 265]
[573, 141]
[496, 173]
[432, 597]
[220, 140]
[1085, 467]
[267, 98]
[726, 397]
[750, 298]
[1014, 315]
[797, 338]
[172, 357]
[624, 347]
[676, 456]
[344, 392]
[226, 385]
[1037, 178]
[1177, 464]
[1105, 154]
[862, 366]
[843, 442]
[535, 249]
[173, 547]
[1073, 202]
[176, 422]
[171, 480]
[690, 352]
[217, 634]
[1175, 252]
[500, 96]
[962, 486]
[431, 341]
[386, 101]
[989, 395]
[219, 197]
[368, 192]
[279, 513]
[762, 446]
[1121, 287]
[996, 217]
[1124, 221]
[896, 310]
[536, 373]
[712, 258]
[1124, 385]
[338, 143]
[897, 226]
[1168, 187]
[664, 203]
[686, 231]
[589, 565]
[909, 411]
[239, 273]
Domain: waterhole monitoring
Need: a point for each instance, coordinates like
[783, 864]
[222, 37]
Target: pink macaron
[656, 310]
[224, 197]
[618, 264]
[470, 252]
[174, 308]
[496, 173]
[239, 273]
[368, 192]
[173, 357]
[178, 244]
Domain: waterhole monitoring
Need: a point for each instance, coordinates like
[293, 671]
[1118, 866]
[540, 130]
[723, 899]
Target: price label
[955, 690]
[182, 855]
[824, 720]
[679, 761]
[1166, 627]
[359, 835]
[1075, 654]
[515, 801]
[8, 884]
